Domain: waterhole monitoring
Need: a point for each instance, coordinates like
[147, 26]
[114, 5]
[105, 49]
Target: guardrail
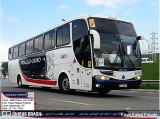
[150, 81]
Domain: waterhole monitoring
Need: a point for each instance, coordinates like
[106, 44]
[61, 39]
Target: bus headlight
[102, 77]
[138, 77]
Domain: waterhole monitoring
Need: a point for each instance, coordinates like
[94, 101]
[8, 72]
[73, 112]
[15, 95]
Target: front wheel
[104, 92]
[64, 85]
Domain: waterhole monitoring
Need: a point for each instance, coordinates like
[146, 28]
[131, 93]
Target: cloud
[143, 46]
[63, 7]
[0, 12]
[152, 26]
[154, 2]
[4, 45]
[128, 13]
[110, 3]
[12, 19]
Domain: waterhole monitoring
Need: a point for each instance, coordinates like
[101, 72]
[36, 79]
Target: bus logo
[123, 77]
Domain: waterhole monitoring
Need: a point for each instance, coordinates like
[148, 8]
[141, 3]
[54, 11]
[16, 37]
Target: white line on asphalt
[79, 103]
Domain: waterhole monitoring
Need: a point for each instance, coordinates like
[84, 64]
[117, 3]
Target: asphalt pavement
[51, 99]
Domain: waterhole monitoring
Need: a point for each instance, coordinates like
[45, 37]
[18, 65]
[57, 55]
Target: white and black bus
[92, 53]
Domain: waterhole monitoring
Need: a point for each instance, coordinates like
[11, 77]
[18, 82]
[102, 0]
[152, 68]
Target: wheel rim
[19, 82]
[65, 84]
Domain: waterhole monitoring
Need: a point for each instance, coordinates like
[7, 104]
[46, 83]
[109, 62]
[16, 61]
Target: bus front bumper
[115, 84]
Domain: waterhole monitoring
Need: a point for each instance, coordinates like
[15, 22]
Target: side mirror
[96, 38]
[140, 38]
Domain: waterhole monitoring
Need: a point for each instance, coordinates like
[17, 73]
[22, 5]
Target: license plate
[122, 85]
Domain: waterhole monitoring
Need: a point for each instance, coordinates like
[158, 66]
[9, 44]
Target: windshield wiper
[125, 54]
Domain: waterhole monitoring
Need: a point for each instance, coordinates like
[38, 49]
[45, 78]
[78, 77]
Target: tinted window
[59, 36]
[63, 35]
[53, 39]
[105, 26]
[15, 52]
[66, 35]
[22, 49]
[113, 27]
[79, 29]
[38, 44]
[29, 47]
[125, 29]
[10, 52]
[82, 51]
[47, 41]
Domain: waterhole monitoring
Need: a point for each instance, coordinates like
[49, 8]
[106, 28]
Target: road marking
[127, 108]
[73, 102]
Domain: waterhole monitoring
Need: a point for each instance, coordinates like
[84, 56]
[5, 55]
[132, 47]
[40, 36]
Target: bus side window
[79, 29]
[53, 39]
[29, 47]
[10, 52]
[38, 44]
[63, 35]
[59, 36]
[22, 49]
[47, 41]
[66, 34]
[15, 52]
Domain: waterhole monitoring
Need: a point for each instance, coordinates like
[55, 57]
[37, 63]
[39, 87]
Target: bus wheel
[19, 82]
[104, 92]
[45, 88]
[64, 85]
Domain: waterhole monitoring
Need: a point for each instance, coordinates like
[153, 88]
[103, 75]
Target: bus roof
[85, 17]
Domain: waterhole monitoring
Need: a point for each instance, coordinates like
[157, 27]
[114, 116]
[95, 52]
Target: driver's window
[82, 51]
[85, 52]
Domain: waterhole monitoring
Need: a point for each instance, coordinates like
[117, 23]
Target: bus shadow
[81, 93]
[97, 95]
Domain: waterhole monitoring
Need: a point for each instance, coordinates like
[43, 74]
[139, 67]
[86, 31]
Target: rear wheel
[19, 82]
[64, 85]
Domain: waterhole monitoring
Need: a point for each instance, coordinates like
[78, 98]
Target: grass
[150, 71]
[149, 86]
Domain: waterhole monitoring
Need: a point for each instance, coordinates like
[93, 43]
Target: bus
[94, 54]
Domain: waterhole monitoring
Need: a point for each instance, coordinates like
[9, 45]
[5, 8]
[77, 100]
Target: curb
[145, 90]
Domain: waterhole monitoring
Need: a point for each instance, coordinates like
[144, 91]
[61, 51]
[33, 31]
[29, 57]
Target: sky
[23, 19]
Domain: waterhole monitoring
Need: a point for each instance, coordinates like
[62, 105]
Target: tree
[4, 69]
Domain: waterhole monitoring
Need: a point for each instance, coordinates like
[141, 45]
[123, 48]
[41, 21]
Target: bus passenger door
[86, 72]
[75, 75]
[82, 77]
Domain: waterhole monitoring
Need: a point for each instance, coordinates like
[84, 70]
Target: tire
[45, 88]
[104, 92]
[64, 84]
[19, 82]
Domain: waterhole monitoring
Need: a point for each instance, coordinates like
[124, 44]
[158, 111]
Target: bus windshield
[118, 45]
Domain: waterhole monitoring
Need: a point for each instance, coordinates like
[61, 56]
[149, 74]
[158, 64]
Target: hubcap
[19, 82]
[65, 84]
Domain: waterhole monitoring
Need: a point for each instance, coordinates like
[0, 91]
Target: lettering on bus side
[34, 67]
[31, 61]
[63, 56]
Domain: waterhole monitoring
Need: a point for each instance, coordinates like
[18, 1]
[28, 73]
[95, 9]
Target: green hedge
[150, 71]
[149, 86]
